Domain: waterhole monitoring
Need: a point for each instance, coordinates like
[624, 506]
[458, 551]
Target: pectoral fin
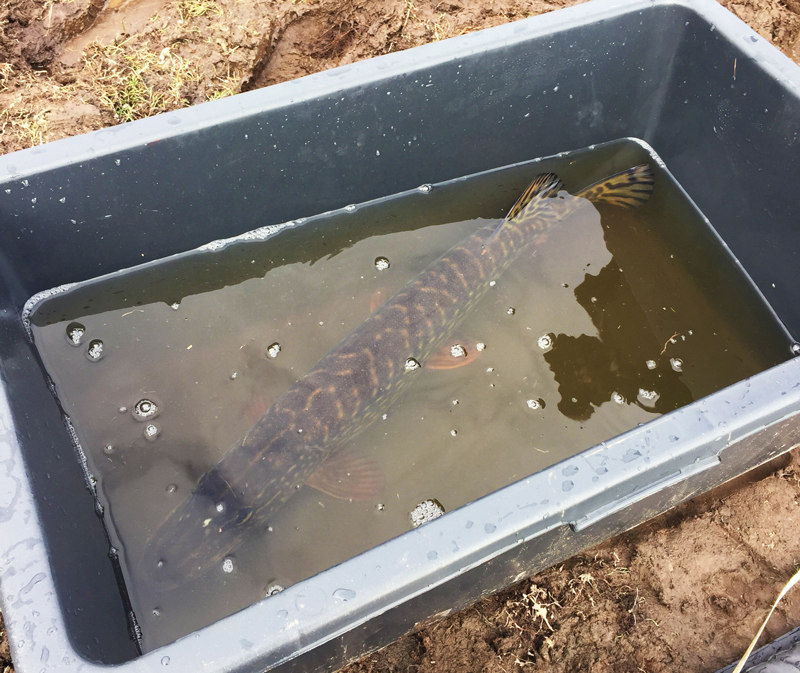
[348, 476]
[378, 299]
[457, 352]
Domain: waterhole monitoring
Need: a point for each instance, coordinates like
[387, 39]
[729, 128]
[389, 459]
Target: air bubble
[458, 351]
[156, 612]
[426, 511]
[220, 507]
[616, 397]
[75, 333]
[511, 310]
[380, 507]
[227, 565]
[150, 431]
[351, 208]
[145, 408]
[234, 376]
[648, 397]
[480, 346]
[273, 589]
[172, 488]
[108, 449]
[453, 432]
[455, 402]
[273, 350]
[95, 350]
[676, 364]
[175, 306]
[535, 404]
[651, 364]
[381, 263]
[411, 364]
[165, 661]
[425, 189]
[545, 342]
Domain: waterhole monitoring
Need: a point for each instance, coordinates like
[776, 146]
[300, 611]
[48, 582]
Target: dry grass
[189, 9]
[132, 82]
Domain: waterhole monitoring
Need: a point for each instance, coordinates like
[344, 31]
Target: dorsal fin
[544, 185]
[629, 188]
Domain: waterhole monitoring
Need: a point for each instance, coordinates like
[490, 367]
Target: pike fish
[297, 440]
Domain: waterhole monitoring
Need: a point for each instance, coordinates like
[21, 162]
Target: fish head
[196, 537]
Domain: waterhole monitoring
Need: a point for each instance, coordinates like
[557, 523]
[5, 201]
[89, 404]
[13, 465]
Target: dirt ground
[684, 592]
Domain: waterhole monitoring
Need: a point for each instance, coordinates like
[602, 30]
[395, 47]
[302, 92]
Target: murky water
[617, 317]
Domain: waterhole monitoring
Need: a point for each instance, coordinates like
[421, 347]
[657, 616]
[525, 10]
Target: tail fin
[628, 189]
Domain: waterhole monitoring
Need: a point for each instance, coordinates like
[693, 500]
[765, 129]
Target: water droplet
[95, 350]
[344, 594]
[432, 555]
[108, 449]
[75, 332]
[492, 283]
[567, 485]
[175, 306]
[480, 346]
[161, 563]
[676, 364]
[117, 162]
[63, 199]
[172, 488]
[425, 189]
[165, 661]
[350, 208]
[227, 565]
[651, 364]
[426, 511]
[535, 404]
[380, 507]
[489, 527]
[8, 191]
[145, 408]
[458, 351]
[796, 349]
[273, 350]
[511, 310]
[156, 612]
[411, 364]
[381, 263]
[220, 507]
[454, 432]
[150, 431]
[616, 397]
[273, 589]
[570, 470]
[455, 402]
[25, 183]
[234, 375]
[545, 342]
[33, 200]
[122, 410]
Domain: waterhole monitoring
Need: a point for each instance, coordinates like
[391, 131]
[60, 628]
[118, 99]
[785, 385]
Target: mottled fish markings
[297, 440]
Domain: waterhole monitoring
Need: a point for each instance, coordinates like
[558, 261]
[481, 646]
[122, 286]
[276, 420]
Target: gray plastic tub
[715, 101]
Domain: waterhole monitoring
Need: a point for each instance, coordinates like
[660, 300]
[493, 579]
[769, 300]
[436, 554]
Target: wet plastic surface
[81, 207]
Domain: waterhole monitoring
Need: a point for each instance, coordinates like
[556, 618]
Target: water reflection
[618, 363]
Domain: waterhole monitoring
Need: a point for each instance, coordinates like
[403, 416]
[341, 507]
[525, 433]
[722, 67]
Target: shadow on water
[592, 370]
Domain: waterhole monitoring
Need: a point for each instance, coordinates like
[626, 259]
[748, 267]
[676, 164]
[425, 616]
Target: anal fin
[348, 476]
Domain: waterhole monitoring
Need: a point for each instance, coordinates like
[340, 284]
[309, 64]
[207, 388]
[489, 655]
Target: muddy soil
[684, 592]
